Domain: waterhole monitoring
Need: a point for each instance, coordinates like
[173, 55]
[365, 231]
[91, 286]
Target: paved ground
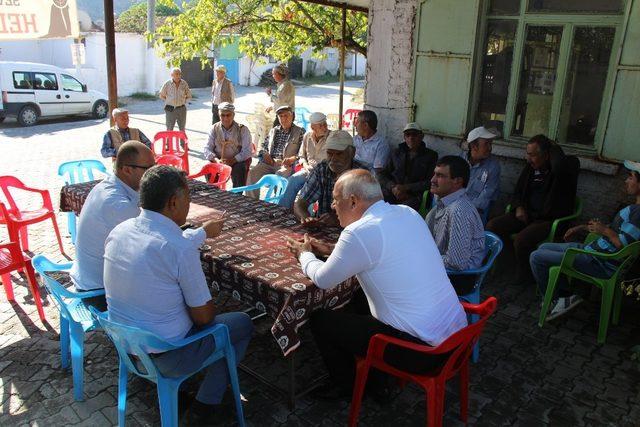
[527, 376]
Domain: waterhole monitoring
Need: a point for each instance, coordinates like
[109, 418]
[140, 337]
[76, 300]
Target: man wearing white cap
[121, 132]
[484, 182]
[623, 230]
[230, 143]
[312, 152]
[319, 184]
[221, 91]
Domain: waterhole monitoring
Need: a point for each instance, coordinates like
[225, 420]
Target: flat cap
[226, 106]
[339, 140]
[316, 118]
[283, 108]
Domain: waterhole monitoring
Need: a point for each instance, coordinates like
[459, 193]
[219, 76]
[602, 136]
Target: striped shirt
[175, 96]
[626, 224]
[458, 232]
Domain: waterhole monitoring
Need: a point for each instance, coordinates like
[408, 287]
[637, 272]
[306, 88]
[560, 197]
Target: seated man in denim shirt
[623, 230]
[484, 181]
[371, 148]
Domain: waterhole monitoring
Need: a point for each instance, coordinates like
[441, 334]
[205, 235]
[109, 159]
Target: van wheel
[28, 116]
[100, 110]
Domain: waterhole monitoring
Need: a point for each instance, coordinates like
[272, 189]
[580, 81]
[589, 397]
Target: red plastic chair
[12, 259]
[17, 219]
[175, 143]
[170, 160]
[349, 118]
[219, 174]
[460, 345]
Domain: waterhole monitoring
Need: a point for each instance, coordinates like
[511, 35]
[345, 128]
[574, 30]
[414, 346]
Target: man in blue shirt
[484, 182]
[154, 281]
[109, 203]
[371, 148]
[623, 230]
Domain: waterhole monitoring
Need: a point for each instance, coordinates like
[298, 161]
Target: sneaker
[563, 305]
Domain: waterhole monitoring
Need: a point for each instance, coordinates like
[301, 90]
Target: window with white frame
[545, 67]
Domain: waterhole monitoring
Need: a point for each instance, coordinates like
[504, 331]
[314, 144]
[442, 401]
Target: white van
[31, 90]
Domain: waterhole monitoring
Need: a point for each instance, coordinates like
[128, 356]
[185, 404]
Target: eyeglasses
[141, 167]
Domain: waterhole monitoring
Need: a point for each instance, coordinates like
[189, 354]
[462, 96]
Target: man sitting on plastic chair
[154, 281]
[624, 230]
[455, 223]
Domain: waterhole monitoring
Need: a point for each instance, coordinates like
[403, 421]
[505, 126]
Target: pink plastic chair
[175, 143]
[349, 118]
[12, 259]
[170, 160]
[219, 174]
[18, 219]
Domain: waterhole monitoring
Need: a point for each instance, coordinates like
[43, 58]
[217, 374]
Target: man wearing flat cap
[279, 151]
[285, 93]
[409, 172]
[622, 231]
[312, 152]
[319, 184]
[230, 143]
[119, 133]
[221, 91]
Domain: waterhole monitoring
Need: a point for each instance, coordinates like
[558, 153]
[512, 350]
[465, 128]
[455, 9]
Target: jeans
[550, 254]
[295, 184]
[179, 362]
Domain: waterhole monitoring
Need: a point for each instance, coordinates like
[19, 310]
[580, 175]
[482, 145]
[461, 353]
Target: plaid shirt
[279, 142]
[319, 186]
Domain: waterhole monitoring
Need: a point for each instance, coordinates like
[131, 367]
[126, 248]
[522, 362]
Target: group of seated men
[153, 279]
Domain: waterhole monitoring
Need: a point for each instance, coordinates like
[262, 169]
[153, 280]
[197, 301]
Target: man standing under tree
[175, 92]
[221, 91]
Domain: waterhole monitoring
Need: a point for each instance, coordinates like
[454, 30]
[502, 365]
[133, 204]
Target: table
[250, 259]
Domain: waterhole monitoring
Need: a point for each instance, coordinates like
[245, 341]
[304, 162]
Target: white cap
[117, 111]
[632, 166]
[412, 126]
[338, 140]
[482, 132]
[221, 67]
[316, 118]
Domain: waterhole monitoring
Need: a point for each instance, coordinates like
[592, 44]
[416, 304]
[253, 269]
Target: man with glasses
[109, 203]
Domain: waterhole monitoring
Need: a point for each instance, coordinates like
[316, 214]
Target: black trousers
[215, 117]
[345, 333]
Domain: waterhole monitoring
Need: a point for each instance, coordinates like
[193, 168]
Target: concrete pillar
[390, 64]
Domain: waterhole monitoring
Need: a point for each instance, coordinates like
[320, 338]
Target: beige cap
[221, 67]
[316, 118]
[632, 166]
[117, 111]
[339, 140]
[283, 108]
[281, 69]
[226, 106]
[412, 126]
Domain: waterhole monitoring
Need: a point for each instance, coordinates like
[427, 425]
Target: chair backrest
[628, 255]
[348, 117]
[169, 160]
[276, 187]
[79, 171]
[60, 294]
[172, 142]
[130, 340]
[219, 174]
[6, 182]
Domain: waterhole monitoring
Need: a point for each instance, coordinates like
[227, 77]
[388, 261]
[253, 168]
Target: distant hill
[95, 8]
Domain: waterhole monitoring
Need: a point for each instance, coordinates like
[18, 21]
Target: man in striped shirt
[455, 223]
[623, 230]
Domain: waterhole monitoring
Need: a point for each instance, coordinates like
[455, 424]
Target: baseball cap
[316, 118]
[221, 67]
[283, 108]
[226, 106]
[339, 140]
[482, 132]
[632, 166]
[412, 126]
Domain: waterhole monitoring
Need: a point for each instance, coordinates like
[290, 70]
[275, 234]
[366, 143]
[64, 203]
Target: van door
[76, 100]
[48, 94]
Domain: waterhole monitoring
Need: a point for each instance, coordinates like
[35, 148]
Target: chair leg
[434, 419]
[55, 228]
[24, 238]
[168, 400]
[362, 372]
[605, 313]
[554, 274]
[35, 291]
[122, 393]
[77, 360]
[64, 342]
[617, 304]
[235, 385]
[464, 391]
[475, 299]
[8, 287]
[71, 225]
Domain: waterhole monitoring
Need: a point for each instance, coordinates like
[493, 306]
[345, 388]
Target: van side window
[22, 80]
[71, 84]
[45, 81]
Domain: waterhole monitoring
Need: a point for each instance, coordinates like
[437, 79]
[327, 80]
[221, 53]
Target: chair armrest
[508, 209]
[469, 272]
[423, 204]
[219, 332]
[378, 343]
[557, 222]
[245, 188]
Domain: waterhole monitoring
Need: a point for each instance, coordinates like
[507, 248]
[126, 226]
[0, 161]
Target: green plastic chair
[611, 291]
[424, 209]
[577, 211]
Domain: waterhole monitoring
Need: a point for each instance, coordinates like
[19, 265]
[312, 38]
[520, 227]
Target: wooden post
[342, 55]
[151, 20]
[112, 77]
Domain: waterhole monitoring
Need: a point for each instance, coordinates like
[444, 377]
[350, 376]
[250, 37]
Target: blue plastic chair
[276, 187]
[492, 247]
[302, 117]
[75, 172]
[75, 319]
[133, 341]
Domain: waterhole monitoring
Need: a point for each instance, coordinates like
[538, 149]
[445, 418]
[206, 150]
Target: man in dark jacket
[409, 172]
[546, 190]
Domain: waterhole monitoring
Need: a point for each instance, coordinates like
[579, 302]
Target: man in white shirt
[109, 203]
[154, 281]
[371, 148]
[391, 252]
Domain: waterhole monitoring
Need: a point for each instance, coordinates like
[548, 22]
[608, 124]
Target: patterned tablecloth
[250, 259]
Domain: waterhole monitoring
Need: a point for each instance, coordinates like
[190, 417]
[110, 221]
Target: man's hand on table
[213, 227]
[320, 248]
[296, 247]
